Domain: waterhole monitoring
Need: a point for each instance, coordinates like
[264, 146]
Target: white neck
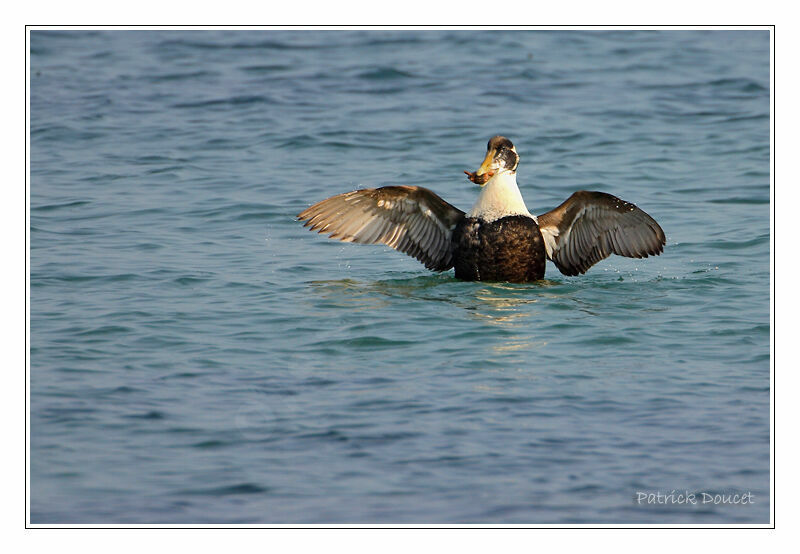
[499, 197]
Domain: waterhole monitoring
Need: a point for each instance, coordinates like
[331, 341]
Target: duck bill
[485, 168]
[485, 172]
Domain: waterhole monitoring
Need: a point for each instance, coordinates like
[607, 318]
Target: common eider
[498, 239]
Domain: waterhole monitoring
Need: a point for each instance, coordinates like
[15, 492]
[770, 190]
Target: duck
[499, 239]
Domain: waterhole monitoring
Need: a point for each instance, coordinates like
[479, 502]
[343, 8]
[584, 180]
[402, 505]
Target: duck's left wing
[413, 220]
[590, 226]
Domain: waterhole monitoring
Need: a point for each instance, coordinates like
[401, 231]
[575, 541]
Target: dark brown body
[508, 249]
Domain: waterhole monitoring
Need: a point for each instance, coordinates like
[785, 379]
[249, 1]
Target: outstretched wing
[413, 220]
[590, 226]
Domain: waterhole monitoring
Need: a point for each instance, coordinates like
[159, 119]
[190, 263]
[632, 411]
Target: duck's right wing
[590, 226]
[413, 220]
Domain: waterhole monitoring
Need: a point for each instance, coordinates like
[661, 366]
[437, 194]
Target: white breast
[500, 197]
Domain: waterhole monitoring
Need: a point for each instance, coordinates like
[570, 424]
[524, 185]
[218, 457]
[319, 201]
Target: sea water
[197, 356]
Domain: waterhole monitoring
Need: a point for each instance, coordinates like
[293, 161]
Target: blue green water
[197, 356]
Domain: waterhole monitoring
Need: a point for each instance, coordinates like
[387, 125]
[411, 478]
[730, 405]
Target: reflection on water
[510, 319]
[509, 306]
[495, 302]
[361, 295]
[504, 306]
[500, 303]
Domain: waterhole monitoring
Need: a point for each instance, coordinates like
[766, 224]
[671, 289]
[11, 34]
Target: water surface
[199, 357]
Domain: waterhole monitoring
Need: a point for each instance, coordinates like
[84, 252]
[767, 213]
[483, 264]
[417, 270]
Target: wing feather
[413, 220]
[590, 226]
